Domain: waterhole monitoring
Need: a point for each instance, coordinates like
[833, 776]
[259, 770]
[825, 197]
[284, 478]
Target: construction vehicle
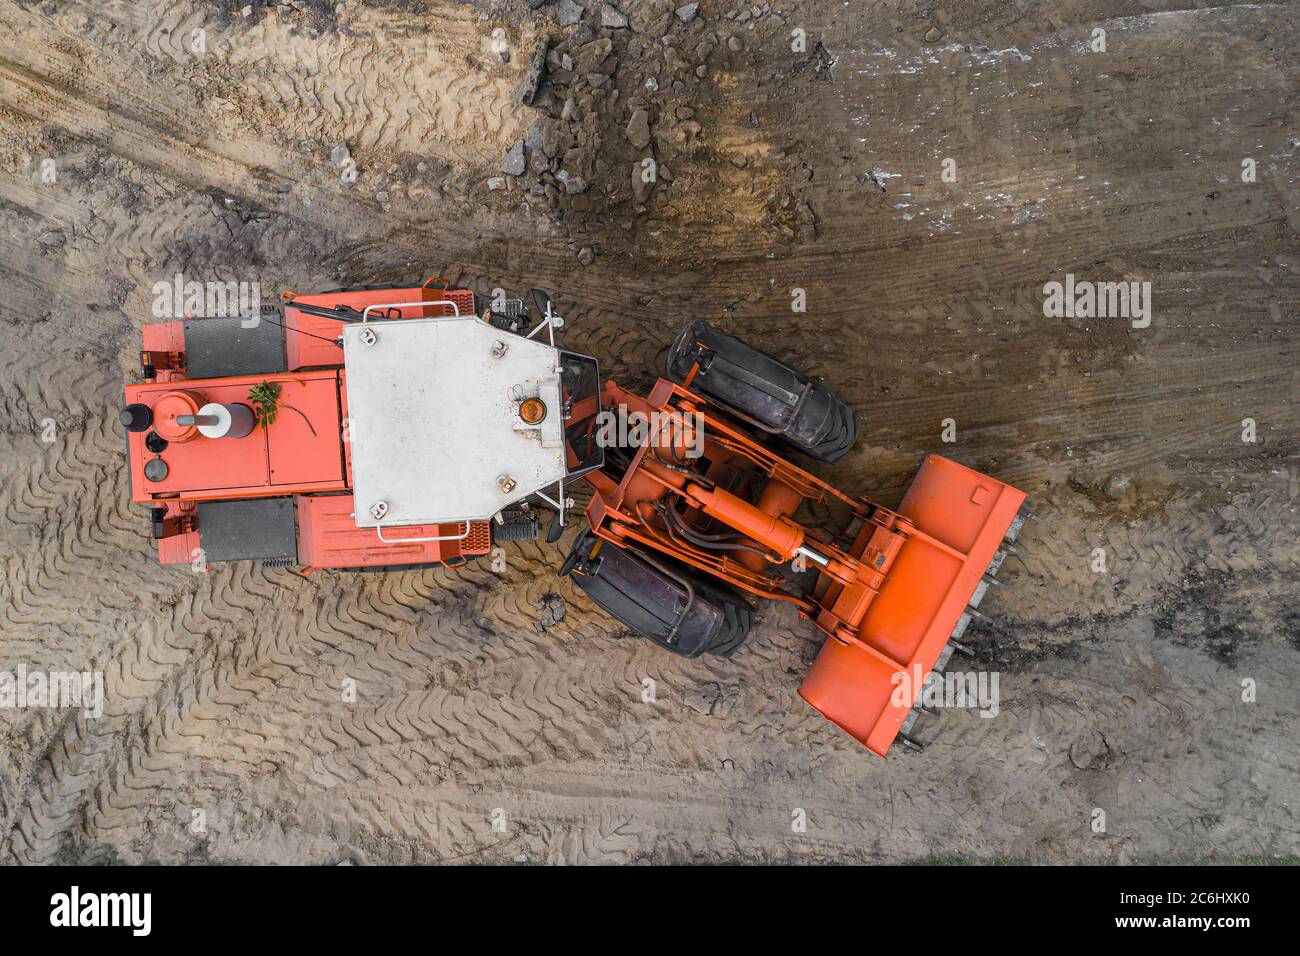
[325, 440]
[391, 428]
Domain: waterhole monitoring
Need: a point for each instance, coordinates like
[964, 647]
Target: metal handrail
[437, 537]
[365, 314]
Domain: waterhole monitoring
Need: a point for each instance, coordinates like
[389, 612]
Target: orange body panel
[178, 548]
[317, 347]
[283, 458]
[163, 336]
[329, 538]
[164, 339]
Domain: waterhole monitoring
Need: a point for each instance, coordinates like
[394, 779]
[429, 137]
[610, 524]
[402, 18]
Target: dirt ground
[496, 722]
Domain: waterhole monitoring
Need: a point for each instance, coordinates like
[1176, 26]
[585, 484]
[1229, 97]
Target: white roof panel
[434, 423]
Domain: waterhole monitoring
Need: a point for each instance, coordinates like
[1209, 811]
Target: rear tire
[763, 392]
[657, 599]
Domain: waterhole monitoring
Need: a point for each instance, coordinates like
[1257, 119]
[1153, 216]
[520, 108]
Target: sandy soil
[482, 696]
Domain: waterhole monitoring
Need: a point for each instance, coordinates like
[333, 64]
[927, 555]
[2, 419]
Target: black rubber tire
[763, 392]
[647, 596]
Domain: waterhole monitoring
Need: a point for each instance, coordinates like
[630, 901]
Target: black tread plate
[217, 347]
[243, 530]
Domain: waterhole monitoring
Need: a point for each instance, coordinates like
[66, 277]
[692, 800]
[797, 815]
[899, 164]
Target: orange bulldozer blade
[867, 682]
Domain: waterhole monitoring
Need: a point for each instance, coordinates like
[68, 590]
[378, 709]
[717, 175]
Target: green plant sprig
[265, 399]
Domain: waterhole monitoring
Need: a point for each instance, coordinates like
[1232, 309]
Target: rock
[51, 239]
[683, 112]
[533, 138]
[674, 63]
[592, 55]
[534, 4]
[703, 697]
[570, 113]
[822, 62]
[569, 13]
[687, 12]
[1117, 487]
[573, 185]
[933, 35]
[532, 79]
[586, 255]
[513, 164]
[544, 99]
[497, 182]
[659, 26]
[638, 129]
[550, 137]
[582, 33]
[612, 18]
[734, 44]
[340, 154]
[553, 610]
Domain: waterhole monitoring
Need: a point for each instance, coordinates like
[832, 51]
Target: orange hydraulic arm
[891, 586]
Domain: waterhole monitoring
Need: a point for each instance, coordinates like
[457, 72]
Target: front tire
[764, 392]
[657, 599]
